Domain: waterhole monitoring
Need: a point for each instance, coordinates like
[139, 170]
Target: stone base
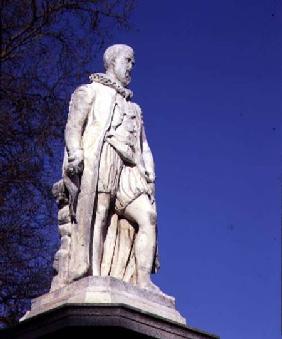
[104, 307]
[107, 291]
[100, 321]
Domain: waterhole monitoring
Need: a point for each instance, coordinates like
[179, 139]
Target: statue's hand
[75, 163]
[150, 177]
[152, 191]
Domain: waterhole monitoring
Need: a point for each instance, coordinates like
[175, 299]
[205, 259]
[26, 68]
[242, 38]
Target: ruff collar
[104, 80]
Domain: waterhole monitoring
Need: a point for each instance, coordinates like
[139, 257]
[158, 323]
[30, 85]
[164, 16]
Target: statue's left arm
[147, 157]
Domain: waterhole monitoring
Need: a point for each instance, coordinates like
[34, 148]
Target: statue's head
[119, 61]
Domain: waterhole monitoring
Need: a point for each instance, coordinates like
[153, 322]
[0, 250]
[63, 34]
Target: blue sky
[208, 77]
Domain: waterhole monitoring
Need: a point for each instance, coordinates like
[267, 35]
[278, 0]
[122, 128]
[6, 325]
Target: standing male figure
[109, 175]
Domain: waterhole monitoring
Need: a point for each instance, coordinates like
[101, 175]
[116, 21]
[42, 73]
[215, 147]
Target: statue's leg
[143, 214]
[102, 211]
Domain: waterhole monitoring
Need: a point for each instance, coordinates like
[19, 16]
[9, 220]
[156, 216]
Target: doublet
[119, 173]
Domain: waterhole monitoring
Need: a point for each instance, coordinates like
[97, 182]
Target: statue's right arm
[79, 108]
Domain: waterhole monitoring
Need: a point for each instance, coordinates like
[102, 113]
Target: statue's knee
[153, 217]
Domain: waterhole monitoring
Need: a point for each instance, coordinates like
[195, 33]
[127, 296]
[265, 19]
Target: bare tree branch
[47, 48]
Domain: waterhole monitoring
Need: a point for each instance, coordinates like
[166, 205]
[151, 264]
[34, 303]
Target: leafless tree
[47, 48]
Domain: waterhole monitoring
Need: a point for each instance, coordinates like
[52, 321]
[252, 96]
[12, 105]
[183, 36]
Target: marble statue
[107, 211]
[106, 199]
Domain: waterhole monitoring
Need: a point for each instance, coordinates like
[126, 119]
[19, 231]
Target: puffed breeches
[123, 182]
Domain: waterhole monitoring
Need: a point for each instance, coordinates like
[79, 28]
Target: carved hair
[113, 51]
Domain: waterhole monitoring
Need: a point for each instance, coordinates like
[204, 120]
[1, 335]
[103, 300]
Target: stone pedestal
[107, 291]
[101, 321]
[104, 307]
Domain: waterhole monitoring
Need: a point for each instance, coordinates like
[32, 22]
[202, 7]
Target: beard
[125, 78]
[128, 77]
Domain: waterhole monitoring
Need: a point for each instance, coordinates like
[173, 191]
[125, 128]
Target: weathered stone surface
[107, 291]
